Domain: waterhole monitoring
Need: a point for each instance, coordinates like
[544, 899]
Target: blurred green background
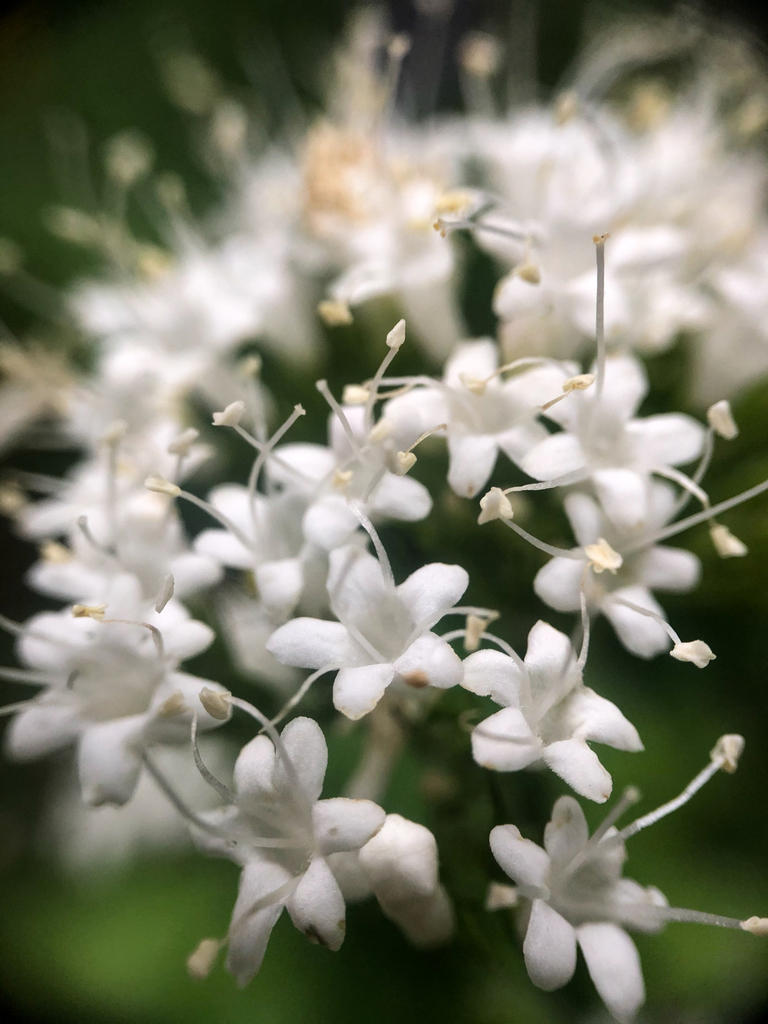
[111, 946]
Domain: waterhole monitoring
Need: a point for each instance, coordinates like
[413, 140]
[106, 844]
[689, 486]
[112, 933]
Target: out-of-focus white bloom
[484, 413]
[112, 687]
[37, 383]
[383, 636]
[548, 714]
[281, 833]
[645, 569]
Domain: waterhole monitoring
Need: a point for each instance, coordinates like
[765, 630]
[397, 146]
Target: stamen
[25, 675]
[630, 796]
[726, 544]
[226, 795]
[600, 241]
[574, 477]
[89, 611]
[176, 800]
[548, 549]
[698, 517]
[477, 385]
[103, 549]
[395, 340]
[325, 391]
[724, 755]
[585, 621]
[11, 709]
[334, 313]
[166, 592]
[157, 636]
[381, 553]
[231, 416]
[689, 485]
[721, 420]
[500, 896]
[200, 963]
[291, 703]
[161, 486]
[253, 478]
[602, 556]
[406, 460]
[578, 383]
[494, 504]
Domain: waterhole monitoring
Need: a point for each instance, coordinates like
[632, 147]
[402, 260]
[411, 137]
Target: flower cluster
[291, 564]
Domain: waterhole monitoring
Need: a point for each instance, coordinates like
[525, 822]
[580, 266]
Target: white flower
[603, 441]
[383, 635]
[281, 833]
[548, 714]
[577, 894]
[113, 688]
[574, 893]
[484, 413]
[646, 568]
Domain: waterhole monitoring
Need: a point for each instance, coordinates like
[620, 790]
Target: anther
[528, 272]
[494, 505]
[89, 611]
[726, 544]
[396, 336]
[201, 962]
[217, 704]
[250, 367]
[500, 896]
[334, 313]
[114, 433]
[756, 926]
[342, 478]
[602, 556]
[474, 629]
[182, 445]
[172, 706]
[160, 485]
[728, 750]
[355, 394]
[695, 651]
[54, 553]
[231, 416]
[721, 420]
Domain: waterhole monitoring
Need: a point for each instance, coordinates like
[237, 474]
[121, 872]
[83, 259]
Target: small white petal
[109, 760]
[558, 583]
[317, 907]
[504, 742]
[280, 584]
[614, 967]
[357, 691]
[578, 765]
[342, 824]
[400, 861]
[623, 494]
[556, 455]
[669, 439]
[249, 931]
[432, 590]
[525, 862]
[311, 643]
[566, 832]
[640, 634]
[490, 673]
[429, 661]
[592, 717]
[472, 458]
[40, 729]
[305, 745]
[549, 948]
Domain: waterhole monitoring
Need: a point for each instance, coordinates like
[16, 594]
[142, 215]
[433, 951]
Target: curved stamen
[226, 795]
[291, 703]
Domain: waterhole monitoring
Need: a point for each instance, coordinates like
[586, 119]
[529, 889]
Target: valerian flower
[281, 834]
[112, 686]
[548, 714]
[573, 892]
[383, 635]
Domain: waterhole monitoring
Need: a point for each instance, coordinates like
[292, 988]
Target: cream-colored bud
[721, 420]
[128, 157]
[12, 499]
[404, 461]
[342, 478]
[398, 46]
[495, 505]
[162, 486]
[480, 55]
[216, 702]
[726, 544]
[114, 433]
[578, 383]
[231, 415]
[500, 896]
[183, 443]
[250, 367]
[475, 384]
[166, 592]
[54, 553]
[355, 394]
[381, 430]
[756, 926]
[475, 627]
[396, 336]
[455, 202]
[334, 313]
[529, 272]
[695, 651]
[200, 963]
[172, 706]
[729, 749]
[89, 611]
[602, 556]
